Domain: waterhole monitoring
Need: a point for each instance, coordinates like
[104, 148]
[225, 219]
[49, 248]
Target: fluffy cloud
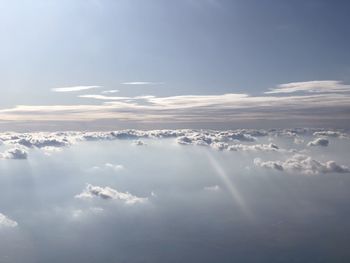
[319, 142]
[256, 147]
[7, 222]
[303, 164]
[335, 134]
[109, 193]
[14, 153]
[232, 140]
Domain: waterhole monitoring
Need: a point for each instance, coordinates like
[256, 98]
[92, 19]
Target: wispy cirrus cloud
[317, 86]
[74, 88]
[110, 91]
[141, 83]
[322, 107]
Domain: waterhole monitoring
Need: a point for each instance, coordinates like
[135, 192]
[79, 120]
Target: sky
[102, 64]
[174, 131]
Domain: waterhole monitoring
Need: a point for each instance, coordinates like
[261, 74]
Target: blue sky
[186, 47]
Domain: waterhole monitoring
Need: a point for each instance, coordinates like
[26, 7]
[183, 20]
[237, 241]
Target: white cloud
[103, 97]
[230, 140]
[220, 108]
[78, 214]
[255, 147]
[110, 91]
[317, 86]
[74, 88]
[109, 193]
[108, 166]
[114, 167]
[141, 83]
[335, 134]
[7, 222]
[319, 142]
[303, 164]
[213, 188]
[14, 153]
[139, 143]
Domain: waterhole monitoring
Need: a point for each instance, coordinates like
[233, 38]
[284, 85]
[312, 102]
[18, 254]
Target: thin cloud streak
[317, 86]
[142, 83]
[75, 88]
[193, 108]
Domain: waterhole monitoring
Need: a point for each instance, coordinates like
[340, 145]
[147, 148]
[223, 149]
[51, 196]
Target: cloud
[108, 166]
[139, 143]
[319, 142]
[256, 147]
[303, 164]
[226, 109]
[74, 88]
[212, 188]
[7, 222]
[109, 193]
[78, 214]
[318, 86]
[334, 134]
[103, 97]
[230, 140]
[110, 91]
[141, 83]
[14, 153]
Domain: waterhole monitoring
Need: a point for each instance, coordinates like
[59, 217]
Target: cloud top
[7, 222]
[303, 164]
[106, 193]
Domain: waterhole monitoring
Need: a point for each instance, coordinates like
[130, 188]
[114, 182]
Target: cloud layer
[303, 164]
[302, 102]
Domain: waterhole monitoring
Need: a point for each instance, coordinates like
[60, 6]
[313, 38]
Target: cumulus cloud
[109, 193]
[303, 164]
[256, 147]
[7, 222]
[74, 88]
[231, 140]
[334, 134]
[319, 142]
[14, 153]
